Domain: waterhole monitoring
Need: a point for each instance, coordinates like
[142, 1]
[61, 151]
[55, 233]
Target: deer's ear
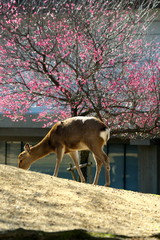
[27, 148]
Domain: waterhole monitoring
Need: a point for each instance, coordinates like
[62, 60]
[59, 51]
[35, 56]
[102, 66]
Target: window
[131, 168]
[123, 157]
[2, 153]
[116, 155]
[12, 149]
[124, 166]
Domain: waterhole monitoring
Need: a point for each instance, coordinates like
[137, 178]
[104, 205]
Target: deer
[68, 137]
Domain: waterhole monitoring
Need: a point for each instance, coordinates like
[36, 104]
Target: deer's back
[76, 132]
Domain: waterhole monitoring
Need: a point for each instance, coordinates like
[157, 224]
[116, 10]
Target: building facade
[135, 164]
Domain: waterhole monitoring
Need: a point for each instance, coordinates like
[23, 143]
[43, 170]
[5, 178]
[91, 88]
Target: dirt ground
[41, 202]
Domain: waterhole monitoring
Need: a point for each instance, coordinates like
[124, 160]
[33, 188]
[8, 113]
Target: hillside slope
[41, 202]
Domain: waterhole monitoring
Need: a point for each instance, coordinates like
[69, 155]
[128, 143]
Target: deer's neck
[41, 149]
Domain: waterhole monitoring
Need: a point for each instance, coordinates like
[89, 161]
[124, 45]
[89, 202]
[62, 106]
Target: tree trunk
[84, 157]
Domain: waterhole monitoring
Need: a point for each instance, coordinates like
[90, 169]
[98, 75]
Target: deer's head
[25, 158]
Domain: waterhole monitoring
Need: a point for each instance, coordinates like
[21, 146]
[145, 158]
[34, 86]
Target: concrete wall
[21, 131]
[28, 123]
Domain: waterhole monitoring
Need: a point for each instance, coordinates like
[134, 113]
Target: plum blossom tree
[81, 58]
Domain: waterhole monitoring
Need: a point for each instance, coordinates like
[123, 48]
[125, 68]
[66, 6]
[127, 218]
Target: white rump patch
[105, 134]
[83, 119]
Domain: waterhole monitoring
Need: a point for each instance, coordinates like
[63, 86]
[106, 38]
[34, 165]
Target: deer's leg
[98, 169]
[75, 157]
[107, 168]
[60, 153]
[101, 156]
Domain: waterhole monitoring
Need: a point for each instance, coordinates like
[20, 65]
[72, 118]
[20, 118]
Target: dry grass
[41, 202]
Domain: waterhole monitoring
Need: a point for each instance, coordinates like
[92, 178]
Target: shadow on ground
[22, 234]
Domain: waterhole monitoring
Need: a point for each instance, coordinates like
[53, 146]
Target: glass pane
[116, 155]
[47, 165]
[13, 150]
[131, 168]
[2, 152]
[44, 165]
